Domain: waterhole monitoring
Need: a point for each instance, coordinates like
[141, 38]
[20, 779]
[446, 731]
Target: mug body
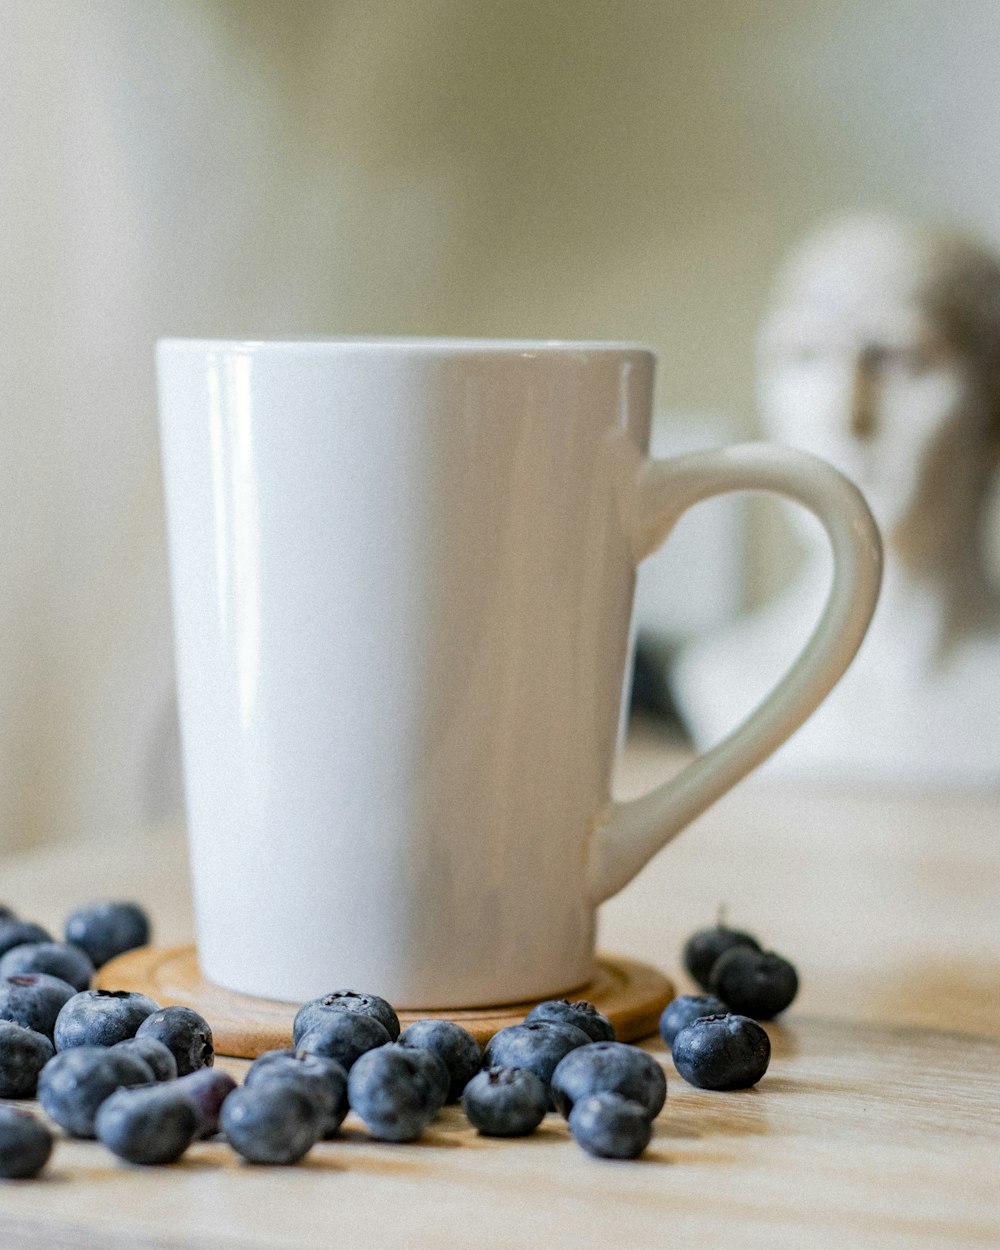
[402, 591]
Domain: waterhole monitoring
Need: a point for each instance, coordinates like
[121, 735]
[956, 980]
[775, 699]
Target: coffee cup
[402, 575]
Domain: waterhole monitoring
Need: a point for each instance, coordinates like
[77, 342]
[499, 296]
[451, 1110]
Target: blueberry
[34, 1000]
[609, 1068]
[101, 1018]
[186, 1033]
[271, 1122]
[754, 983]
[314, 1013]
[610, 1126]
[57, 959]
[23, 1055]
[18, 932]
[505, 1102]
[267, 1057]
[457, 1049]
[106, 929]
[206, 1089]
[434, 1071]
[539, 1046]
[148, 1124]
[159, 1057]
[7, 914]
[344, 1036]
[74, 1083]
[580, 1013]
[722, 1052]
[703, 948]
[390, 1090]
[686, 1008]
[25, 1144]
[321, 1079]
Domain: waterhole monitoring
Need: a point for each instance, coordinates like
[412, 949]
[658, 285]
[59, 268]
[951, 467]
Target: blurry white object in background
[881, 353]
[679, 592]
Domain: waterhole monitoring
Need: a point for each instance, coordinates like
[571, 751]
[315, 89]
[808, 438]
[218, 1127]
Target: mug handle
[628, 834]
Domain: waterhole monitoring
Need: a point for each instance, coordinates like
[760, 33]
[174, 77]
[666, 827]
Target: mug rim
[424, 345]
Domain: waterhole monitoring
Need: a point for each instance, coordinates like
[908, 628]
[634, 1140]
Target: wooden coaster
[629, 993]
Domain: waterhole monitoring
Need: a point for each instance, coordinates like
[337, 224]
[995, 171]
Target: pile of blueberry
[115, 1066]
[348, 1053]
[714, 1038]
[107, 1064]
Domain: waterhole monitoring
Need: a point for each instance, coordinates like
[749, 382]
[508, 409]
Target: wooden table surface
[877, 1125]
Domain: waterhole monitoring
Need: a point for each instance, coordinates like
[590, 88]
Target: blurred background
[566, 168]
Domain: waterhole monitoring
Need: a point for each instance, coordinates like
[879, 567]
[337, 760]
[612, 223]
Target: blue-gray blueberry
[313, 1013]
[579, 1012]
[159, 1057]
[320, 1078]
[457, 1049]
[18, 932]
[684, 1009]
[206, 1089]
[609, 1068]
[267, 1057]
[56, 959]
[722, 1052]
[23, 1054]
[610, 1127]
[271, 1122]
[185, 1032]
[433, 1068]
[75, 1082]
[344, 1036]
[390, 1090]
[540, 1047]
[101, 1017]
[505, 1102]
[34, 1000]
[703, 948]
[25, 1144]
[149, 1124]
[754, 983]
[106, 929]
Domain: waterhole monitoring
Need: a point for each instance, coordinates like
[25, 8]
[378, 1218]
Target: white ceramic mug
[402, 580]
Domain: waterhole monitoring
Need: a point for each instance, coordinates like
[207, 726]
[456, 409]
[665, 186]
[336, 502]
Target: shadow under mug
[402, 577]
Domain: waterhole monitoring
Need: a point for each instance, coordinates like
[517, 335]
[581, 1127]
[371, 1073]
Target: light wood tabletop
[877, 1124]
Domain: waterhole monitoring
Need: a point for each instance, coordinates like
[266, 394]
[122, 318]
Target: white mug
[402, 576]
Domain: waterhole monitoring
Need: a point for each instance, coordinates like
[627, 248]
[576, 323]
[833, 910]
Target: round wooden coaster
[629, 993]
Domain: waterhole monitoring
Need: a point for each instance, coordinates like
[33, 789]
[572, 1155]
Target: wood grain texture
[631, 994]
